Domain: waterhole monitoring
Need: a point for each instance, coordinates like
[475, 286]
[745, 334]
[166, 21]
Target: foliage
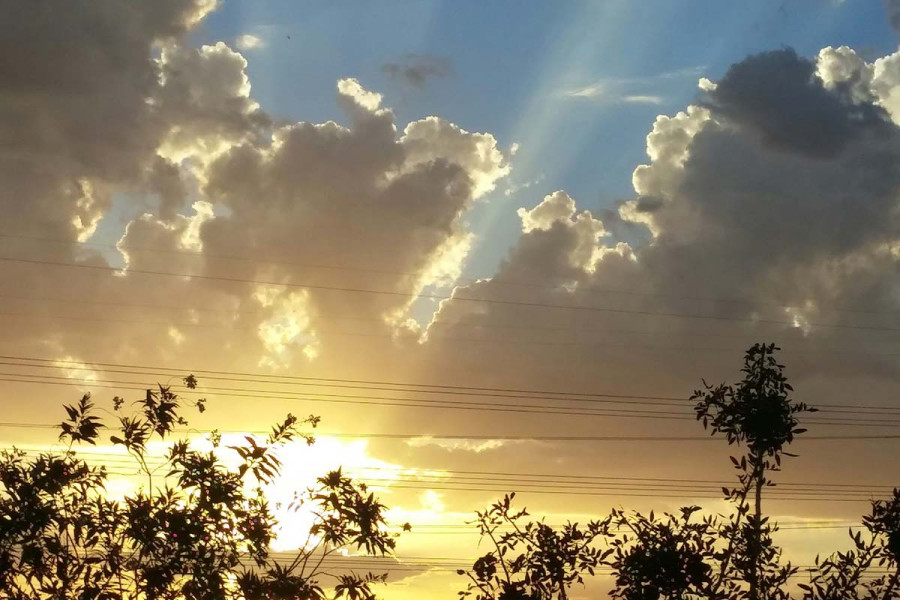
[756, 411]
[530, 559]
[667, 557]
[845, 575]
[345, 516]
[196, 529]
[675, 557]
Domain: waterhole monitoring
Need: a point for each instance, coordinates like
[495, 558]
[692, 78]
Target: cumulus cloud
[355, 93]
[555, 207]
[557, 210]
[842, 69]
[359, 196]
[205, 94]
[706, 84]
[180, 124]
[433, 139]
[777, 201]
[668, 146]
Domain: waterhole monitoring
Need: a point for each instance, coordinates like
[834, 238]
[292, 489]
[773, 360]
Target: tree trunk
[756, 542]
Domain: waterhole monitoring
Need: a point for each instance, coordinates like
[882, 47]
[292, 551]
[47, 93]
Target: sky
[459, 230]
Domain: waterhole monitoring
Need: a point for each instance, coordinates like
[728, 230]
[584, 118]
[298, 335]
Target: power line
[620, 488]
[70, 300]
[472, 341]
[180, 372]
[876, 410]
[637, 492]
[403, 402]
[614, 484]
[360, 400]
[477, 326]
[493, 281]
[471, 528]
[785, 525]
[115, 467]
[450, 561]
[356, 290]
[581, 477]
[443, 389]
[611, 484]
[569, 479]
[450, 388]
[428, 436]
[327, 397]
[615, 488]
[605, 399]
[628, 494]
[463, 340]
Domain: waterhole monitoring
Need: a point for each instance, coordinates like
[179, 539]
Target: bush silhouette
[686, 556]
[530, 559]
[667, 557]
[196, 529]
[842, 576]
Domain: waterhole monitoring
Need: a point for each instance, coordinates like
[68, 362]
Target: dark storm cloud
[417, 69]
[778, 95]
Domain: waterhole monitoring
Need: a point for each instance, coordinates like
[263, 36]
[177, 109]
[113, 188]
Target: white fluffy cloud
[558, 210]
[205, 96]
[434, 139]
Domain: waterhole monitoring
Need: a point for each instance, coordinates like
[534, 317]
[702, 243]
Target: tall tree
[758, 413]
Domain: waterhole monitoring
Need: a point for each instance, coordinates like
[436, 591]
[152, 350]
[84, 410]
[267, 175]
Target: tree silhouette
[758, 413]
[530, 559]
[196, 529]
[842, 576]
[680, 556]
[668, 557]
